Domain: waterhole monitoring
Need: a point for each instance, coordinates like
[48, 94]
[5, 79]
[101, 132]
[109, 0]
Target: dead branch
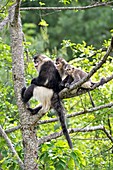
[12, 129]
[69, 8]
[3, 23]
[15, 154]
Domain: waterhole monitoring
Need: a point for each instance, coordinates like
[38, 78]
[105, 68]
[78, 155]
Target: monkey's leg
[57, 105]
[35, 110]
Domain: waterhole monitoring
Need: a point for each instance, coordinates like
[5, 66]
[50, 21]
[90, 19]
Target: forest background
[82, 38]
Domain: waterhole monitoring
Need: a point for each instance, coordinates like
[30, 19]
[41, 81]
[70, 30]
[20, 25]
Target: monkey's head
[69, 69]
[39, 60]
[60, 63]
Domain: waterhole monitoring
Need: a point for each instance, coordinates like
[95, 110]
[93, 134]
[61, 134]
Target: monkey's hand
[35, 110]
[102, 81]
[34, 81]
[67, 85]
[62, 84]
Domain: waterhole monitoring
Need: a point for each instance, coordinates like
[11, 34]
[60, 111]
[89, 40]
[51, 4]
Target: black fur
[48, 72]
[57, 105]
[35, 110]
[27, 93]
[66, 82]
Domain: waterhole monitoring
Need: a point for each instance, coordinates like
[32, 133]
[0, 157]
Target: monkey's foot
[34, 111]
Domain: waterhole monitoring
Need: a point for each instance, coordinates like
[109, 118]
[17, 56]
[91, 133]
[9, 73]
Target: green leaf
[43, 23]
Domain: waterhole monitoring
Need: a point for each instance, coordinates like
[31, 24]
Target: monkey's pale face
[37, 64]
[58, 65]
[40, 60]
[69, 70]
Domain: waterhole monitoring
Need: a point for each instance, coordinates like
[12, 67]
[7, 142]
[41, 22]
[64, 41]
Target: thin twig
[108, 135]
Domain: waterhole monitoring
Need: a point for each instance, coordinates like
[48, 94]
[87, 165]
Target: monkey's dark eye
[36, 61]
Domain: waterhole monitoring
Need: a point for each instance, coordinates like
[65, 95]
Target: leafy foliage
[59, 35]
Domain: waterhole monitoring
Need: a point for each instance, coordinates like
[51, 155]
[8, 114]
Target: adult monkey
[45, 88]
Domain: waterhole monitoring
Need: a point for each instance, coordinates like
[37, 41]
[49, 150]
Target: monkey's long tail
[91, 99]
[57, 105]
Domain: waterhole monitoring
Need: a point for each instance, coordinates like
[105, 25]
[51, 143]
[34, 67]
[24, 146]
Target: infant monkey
[77, 75]
[60, 64]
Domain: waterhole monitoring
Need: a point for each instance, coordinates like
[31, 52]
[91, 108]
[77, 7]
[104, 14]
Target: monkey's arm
[66, 82]
[27, 93]
[38, 81]
[76, 79]
[34, 81]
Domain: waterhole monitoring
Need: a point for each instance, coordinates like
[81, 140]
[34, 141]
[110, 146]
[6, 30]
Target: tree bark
[28, 128]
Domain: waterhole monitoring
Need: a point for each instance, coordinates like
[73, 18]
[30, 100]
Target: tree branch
[4, 22]
[73, 130]
[107, 134]
[27, 127]
[2, 132]
[105, 80]
[73, 93]
[69, 8]
[78, 113]
[12, 129]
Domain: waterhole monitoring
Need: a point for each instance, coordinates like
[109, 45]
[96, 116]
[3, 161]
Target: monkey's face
[37, 64]
[69, 70]
[58, 65]
[39, 60]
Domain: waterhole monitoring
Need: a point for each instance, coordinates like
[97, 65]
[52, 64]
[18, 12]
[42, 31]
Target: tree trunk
[30, 145]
